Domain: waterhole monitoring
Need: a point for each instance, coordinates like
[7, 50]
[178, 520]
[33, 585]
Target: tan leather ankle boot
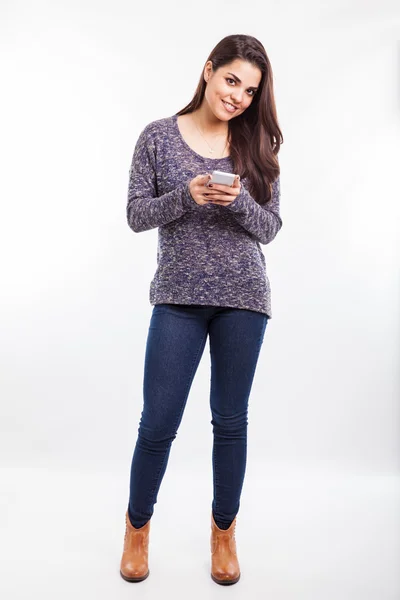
[224, 561]
[134, 562]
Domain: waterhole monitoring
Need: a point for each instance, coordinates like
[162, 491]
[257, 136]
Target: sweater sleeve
[262, 221]
[145, 209]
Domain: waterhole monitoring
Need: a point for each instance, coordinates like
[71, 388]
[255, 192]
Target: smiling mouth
[229, 107]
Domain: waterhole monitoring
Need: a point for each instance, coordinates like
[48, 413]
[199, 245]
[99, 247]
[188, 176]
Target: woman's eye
[228, 79]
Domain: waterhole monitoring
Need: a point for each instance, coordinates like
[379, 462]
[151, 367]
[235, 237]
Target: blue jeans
[176, 339]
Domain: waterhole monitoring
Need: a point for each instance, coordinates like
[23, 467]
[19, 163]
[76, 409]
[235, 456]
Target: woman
[210, 280]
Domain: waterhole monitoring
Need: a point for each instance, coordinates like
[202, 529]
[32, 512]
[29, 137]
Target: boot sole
[226, 582]
[135, 579]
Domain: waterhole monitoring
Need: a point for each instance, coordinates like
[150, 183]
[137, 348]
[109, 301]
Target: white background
[319, 513]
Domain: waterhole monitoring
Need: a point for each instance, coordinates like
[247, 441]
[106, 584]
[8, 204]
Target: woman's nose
[237, 97]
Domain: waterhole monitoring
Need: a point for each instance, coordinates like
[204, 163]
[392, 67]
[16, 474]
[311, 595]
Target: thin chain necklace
[210, 149]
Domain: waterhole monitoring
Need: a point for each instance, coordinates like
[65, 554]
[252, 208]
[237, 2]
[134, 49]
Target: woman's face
[233, 84]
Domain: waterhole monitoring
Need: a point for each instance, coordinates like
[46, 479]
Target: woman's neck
[208, 123]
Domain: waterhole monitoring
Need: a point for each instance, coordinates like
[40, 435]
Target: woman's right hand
[198, 188]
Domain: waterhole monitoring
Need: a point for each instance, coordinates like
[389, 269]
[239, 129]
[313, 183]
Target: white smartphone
[222, 178]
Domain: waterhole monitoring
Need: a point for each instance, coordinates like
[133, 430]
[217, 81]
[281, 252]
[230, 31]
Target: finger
[222, 199]
[203, 178]
[236, 182]
[226, 197]
[217, 194]
[220, 187]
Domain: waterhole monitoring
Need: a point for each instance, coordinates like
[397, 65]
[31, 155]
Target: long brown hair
[255, 136]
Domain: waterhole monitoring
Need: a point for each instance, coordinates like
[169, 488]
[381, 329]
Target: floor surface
[299, 537]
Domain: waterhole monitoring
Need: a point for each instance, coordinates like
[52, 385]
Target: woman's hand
[217, 194]
[224, 194]
[197, 188]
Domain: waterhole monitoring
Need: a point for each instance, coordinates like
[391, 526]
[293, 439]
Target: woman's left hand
[224, 194]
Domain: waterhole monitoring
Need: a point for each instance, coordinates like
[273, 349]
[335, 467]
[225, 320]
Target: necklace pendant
[211, 151]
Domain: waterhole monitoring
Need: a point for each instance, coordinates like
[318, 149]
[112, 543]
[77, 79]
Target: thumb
[236, 181]
[203, 178]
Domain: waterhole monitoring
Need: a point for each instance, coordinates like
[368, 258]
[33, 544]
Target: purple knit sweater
[207, 254]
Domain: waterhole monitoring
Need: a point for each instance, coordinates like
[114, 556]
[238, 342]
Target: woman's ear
[208, 70]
